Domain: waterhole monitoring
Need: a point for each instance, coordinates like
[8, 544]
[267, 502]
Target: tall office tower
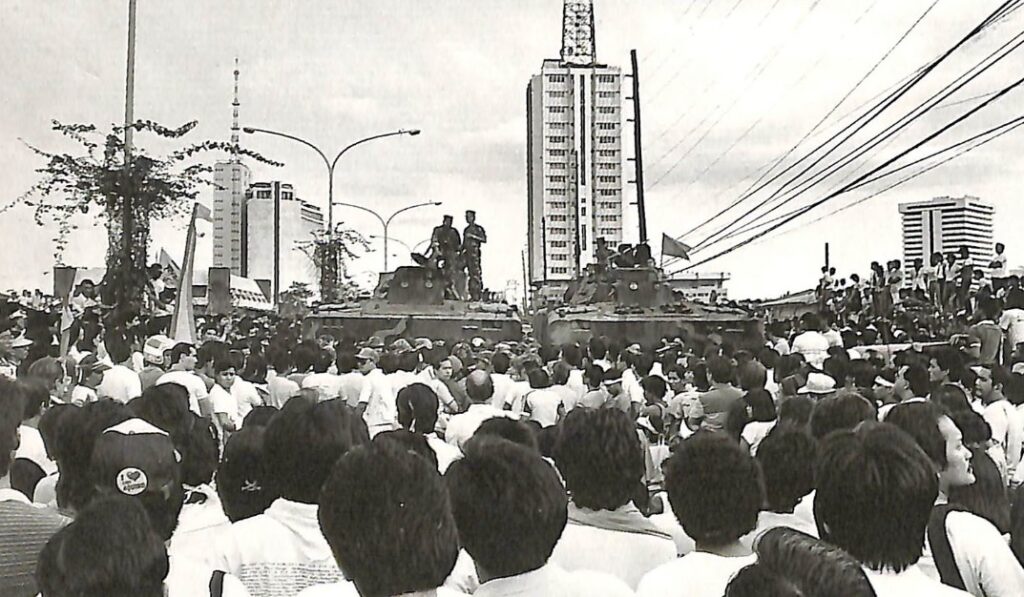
[278, 224]
[231, 182]
[945, 224]
[574, 155]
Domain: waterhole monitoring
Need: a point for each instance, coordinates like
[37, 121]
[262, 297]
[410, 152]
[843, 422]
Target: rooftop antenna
[578, 33]
[234, 121]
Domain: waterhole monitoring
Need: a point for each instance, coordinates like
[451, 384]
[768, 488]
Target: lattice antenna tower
[234, 121]
[578, 46]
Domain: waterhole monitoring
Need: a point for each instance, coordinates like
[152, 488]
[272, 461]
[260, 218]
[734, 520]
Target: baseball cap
[401, 345]
[422, 344]
[21, 342]
[90, 363]
[368, 354]
[375, 342]
[154, 349]
[477, 342]
[135, 458]
[818, 383]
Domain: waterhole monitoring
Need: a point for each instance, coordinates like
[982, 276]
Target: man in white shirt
[351, 380]
[182, 372]
[811, 343]
[376, 399]
[326, 385]
[283, 551]
[461, 427]
[120, 382]
[874, 497]
[1002, 417]
[280, 388]
[501, 380]
[998, 268]
[385, 515]
[499, 476]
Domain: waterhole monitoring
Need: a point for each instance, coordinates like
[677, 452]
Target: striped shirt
[24, 530]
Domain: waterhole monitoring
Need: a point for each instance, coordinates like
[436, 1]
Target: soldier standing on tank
[472, 237]
[446, 243]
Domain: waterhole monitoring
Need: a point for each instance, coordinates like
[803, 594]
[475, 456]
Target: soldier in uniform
[473, 236]
[445, 245]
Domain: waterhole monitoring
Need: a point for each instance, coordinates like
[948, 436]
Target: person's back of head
[845, 410]
[720, 370]
[132, 562]
[560, 373]
[787, 456]
[417, 408]
[259, 416]
[600, 457]
[752, 376]
[75, 444]
[874, 496]
[794, 564]
[538, 379]
[505, 428]
[768, 357]
[598, 348]
[654, 386]
[164, 406]
[346, 362]
[12, 409]
[810, 322]
[303, 440]
[322, 362]
[593, 376]
[408, 361]
[407, 441]
[479, 387]
[572, 354]
[837, 368]
[500, 362]
[200, 452]
[714, 488]
[241, 475]
[796, 411]
[760, 405]
[499, 476]
[386, 515]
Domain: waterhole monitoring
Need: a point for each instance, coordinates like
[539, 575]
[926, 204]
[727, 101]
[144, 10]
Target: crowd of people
[255, 462]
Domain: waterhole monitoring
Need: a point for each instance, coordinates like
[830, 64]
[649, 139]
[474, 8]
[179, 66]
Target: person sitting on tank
[624, 256]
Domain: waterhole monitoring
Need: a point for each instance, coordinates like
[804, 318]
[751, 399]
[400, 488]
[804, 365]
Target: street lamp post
[387, 222]
[330, 164]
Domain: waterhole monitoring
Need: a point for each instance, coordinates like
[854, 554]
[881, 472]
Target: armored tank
[634, 304]
[410, 302]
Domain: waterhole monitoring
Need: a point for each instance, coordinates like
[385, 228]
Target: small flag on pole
[183, 323]
[674, 248]
[203, 212]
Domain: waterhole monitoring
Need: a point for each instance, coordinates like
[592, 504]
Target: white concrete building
[574, 155]
[231, 182]
[279, 223]
[945, 224]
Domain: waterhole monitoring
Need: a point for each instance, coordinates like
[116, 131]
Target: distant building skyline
[231, 181]
[267, 234]
[944, 224]
[574, 155]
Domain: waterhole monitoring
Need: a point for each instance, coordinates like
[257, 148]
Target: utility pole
[827, 264]
[638, 149]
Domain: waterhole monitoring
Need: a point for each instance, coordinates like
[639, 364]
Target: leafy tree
[94, 182]
[331, 255]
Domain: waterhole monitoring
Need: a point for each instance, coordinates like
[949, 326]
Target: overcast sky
[334, 72]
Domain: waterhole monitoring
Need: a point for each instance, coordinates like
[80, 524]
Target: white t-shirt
[190, 381]
[224, 403]
[631, 387]
[503, 385]
[327, 386]
[1012, 322]
[82, 395]
[543, 406]
[814, 346]
[756, 431]
[984, 560]
[351, 385]
[999, 271]
[697, 574]
[247, 397]
[909, 583]
[380, 401]
[32, 448]
[348, 589]
[120, 383]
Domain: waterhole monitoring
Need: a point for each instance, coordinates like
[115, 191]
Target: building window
[606, 94]
[557, 153]
[263, 194]
[557, 204]
[608, 218]
[606, 139]
[559, 257]
[556, 93]
[608, 192]
[610, 231]
[558, 125]
[556, 139]
[557, 109]
[606, 166]
[559, 270]
[557, 178]
[558, 218]
[286, 196]
[556, 78]
[557, 231]
[607, 109]
[559, 244]
[608, 204]
[608, 153]
[606, 126]
[605, 78]
[607, 179]
[557, 165]
[556, 191]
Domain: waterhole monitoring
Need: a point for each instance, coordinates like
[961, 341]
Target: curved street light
[387, 222]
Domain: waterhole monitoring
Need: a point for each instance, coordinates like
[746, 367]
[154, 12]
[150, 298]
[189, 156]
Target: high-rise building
[945, 224]
[279, 230]
[574, 155]
[231, 182]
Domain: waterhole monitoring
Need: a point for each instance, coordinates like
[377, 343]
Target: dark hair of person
[259, 416]
[769, 357]
[50, 425]
[179, 349]
[951, 398]
[547, 439]
[497, 475]
[388, 362]
[304, 355]
[874, 496]
[346, 361]
[46, 370]
[500, 362]
[752, 376]
[654, 385]
[920, 420]
[132, 563]
[714, 488]
[795, 564]
[837, 368]
[986, 497]
[417, 408]
[572, 354]
[845, 410]
[863, 373]
[386, 515]
[539, 379]
[787, 456]
[600, 457]
[408, 361]
[79, 433]
[762, 406]
[598, 347]
[12, 410]
[949, 360]
[200, 452]
[255, 370]
[407, 441]
[918, 379]
[701, 378]
[117, 347]
[560, 373]
[165, 406]
[796, 411]
[720, 370]
[281, 360]
[34, 397]
[223, 364]
[303, 441]
[514, 431]
[241, 475]
[974, 428]
[593, 375]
